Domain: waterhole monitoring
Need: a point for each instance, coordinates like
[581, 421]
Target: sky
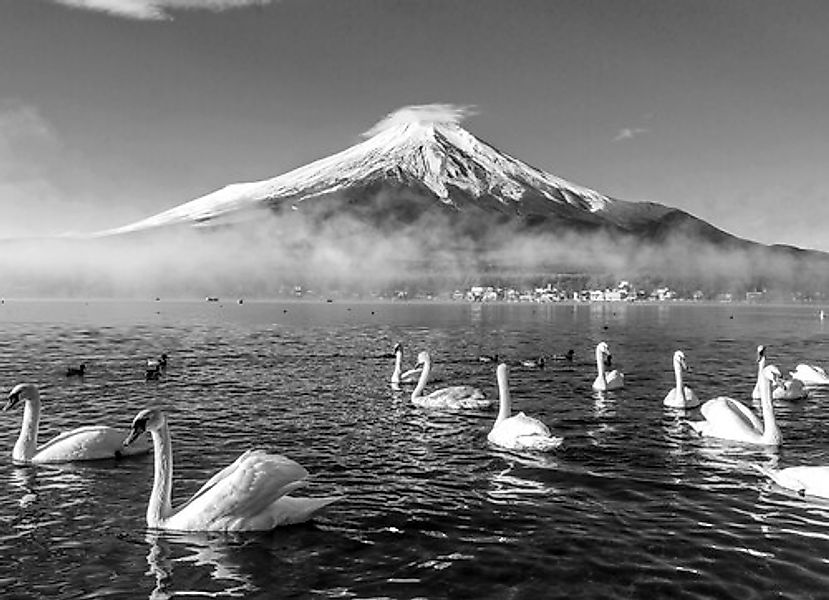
[113, 110]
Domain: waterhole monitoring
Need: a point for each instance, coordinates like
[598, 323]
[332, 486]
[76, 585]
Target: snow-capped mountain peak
[423, 145]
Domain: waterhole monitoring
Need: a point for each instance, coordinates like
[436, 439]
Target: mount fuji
[420, 159]
[420, 194]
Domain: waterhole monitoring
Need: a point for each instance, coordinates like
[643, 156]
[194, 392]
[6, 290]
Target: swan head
[397, 348]
[603, 353]
[149, 419]
[679, 357]
[20, 392]
[772, 373]
[423, 358]
[761, 352]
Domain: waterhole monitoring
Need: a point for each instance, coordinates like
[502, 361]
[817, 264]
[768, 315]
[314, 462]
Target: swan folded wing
[726, 413]
[459, 396]
[808, 480]
[236, 497]
[522, 425]
[91, 442]
[523, 432]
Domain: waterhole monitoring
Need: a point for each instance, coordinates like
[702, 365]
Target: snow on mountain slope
[420, 144]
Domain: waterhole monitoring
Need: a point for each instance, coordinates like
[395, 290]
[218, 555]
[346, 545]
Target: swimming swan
[398, 375]
[680, 396]
[92, 442]
[810, 375]
[518, 432]
[604, 381]
[454, 397]
[248, 495]
[729, 419]
[804, 480]
[791, 389]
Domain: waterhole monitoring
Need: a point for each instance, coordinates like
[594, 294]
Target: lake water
[633, 505]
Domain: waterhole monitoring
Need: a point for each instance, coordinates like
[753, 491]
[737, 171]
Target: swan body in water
[399, 375]
[803, 480]
[518, 432]
[453, 397]
[728, 419]
[786, 389]
[612, 380]
[251, 494]
[680, 396]
[810, 374]
[92, 442]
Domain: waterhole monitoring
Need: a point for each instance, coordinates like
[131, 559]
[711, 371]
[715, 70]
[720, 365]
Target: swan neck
[600, 366]
[160, 506]
[680, 385]
[761, 364]
[505, 404]
[398, 367]
[770, 430]
[26, 445]
[421, 382]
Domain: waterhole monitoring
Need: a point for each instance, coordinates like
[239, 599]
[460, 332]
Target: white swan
[810, 375]
[518, 432]
[786, 389]
[92, 442]
[680, 396]
[613, 380]
[248, 495]
[453, 397]
[804, 480]
[398, 375]
[729, 419]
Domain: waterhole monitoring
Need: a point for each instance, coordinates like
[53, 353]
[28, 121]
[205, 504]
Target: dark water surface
[632, 506]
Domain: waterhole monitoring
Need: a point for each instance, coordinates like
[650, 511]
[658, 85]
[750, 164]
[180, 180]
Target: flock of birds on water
[254, 492]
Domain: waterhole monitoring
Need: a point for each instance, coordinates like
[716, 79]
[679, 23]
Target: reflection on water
[167, 550]
[633, 504]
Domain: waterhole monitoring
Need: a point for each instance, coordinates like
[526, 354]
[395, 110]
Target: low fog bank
[269, 254]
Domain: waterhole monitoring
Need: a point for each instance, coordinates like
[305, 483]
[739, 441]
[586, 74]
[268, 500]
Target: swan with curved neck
[399, 376]
[803, 480]
[728, 419]
[92, 442]
[680, 396]
[251, 494]
[786, 389]
[453, 397]
[518, 432]
[612, 380]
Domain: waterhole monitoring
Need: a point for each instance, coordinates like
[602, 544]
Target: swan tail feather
[778, 477]
[290, 510]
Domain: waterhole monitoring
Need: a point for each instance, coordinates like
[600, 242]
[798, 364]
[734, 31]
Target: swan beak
[137, 429]
[12, 401]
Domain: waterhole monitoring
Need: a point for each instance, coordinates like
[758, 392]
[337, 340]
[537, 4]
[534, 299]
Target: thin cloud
[628, 133]
[423, 114]
[157, 10]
